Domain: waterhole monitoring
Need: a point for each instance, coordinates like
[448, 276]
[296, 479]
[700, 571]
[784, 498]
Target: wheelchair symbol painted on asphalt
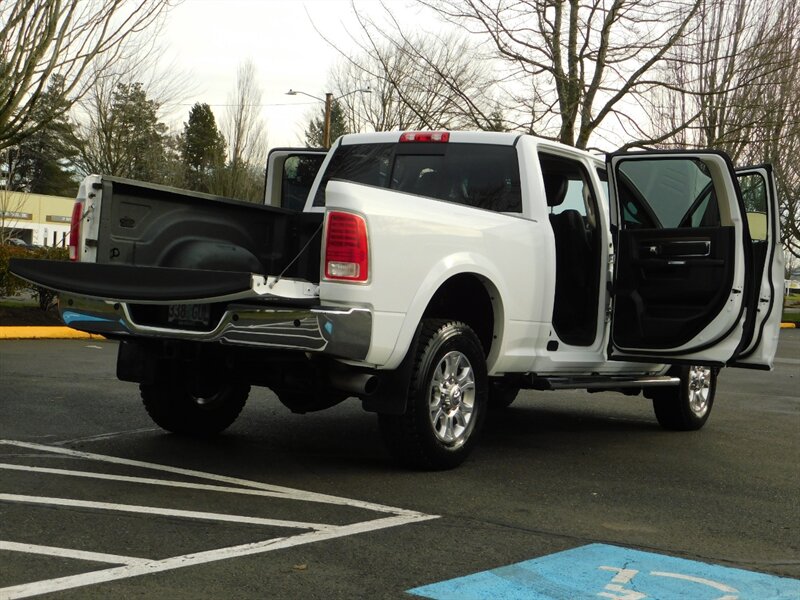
[616, 590]
[610, 572]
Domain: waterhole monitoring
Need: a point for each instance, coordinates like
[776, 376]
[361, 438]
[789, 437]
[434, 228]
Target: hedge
[10, 285]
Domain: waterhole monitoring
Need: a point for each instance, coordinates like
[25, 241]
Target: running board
[599, 383]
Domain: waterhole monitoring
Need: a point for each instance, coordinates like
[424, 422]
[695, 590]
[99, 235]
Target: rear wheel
[178, 408]
[687, 406]
[447, 397]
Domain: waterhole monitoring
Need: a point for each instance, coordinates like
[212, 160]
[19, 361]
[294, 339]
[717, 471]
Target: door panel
[681, 258]
[290, 175]
[669, 283]
[763, 325]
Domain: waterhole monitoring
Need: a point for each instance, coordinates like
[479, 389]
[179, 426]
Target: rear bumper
[339, 332]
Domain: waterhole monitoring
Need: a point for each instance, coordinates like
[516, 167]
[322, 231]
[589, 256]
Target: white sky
[208, 39]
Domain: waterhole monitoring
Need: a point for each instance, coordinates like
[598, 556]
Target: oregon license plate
[189, 314]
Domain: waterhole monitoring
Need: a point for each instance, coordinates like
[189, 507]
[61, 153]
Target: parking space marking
[279, 491]
[144, 480]
[162, 512]
[132, 566]
[102, 557]
[583, 573]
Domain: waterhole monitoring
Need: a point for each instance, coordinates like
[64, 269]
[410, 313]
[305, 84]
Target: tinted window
[299, 171]
[360, 163]
[666, 194]
[479, 175]
[754, 194]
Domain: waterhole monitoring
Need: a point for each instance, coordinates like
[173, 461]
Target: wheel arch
[471, 299]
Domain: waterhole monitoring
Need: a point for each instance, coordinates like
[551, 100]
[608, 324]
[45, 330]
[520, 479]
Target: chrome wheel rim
[699, 389]
[451, 399]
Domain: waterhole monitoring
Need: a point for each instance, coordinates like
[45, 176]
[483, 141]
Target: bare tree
[11, 201]
[120, 121]
[246, 139]
[75, 39]
[416, 80]
[734, 85]
[571, 66]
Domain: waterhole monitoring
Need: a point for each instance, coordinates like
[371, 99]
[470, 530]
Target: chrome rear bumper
[340, 332]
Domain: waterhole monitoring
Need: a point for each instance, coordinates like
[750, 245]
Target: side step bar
[599, 383]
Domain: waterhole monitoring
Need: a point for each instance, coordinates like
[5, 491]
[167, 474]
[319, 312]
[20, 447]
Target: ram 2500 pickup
[432, 275]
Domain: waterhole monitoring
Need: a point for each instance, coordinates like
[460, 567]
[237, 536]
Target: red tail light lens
[426, 136]
[346, 247]
[75, 230]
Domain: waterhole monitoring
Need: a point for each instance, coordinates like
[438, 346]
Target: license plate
[189, 314]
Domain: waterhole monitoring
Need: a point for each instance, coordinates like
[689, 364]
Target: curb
[46, 333]
[788, 325]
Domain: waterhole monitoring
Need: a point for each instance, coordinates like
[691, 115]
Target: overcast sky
[208, 39]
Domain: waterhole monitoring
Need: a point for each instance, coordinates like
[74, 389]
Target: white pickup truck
[432, 275]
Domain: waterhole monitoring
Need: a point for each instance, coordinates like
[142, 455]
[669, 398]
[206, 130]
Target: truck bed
[156, 226]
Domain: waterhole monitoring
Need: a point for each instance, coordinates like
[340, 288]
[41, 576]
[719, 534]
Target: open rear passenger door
[683, 278]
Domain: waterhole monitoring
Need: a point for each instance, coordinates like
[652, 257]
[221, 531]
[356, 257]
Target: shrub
[10, 285]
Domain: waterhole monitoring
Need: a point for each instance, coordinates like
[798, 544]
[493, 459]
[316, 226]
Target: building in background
[35, 219]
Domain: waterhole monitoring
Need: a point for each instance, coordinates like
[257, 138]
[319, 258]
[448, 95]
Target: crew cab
[431, 275]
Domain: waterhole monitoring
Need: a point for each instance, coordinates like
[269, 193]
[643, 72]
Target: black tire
[440, 440]
[502, 393]
[687, 406]
[175, 408]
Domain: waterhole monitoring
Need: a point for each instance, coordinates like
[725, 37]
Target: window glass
[666, 193]
[299, 172]
[754, 194]
[360, 163]
[480, 175]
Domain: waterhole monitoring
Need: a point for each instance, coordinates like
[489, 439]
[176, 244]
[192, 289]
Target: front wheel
[447, 398]
[176, 407]
[686, 407]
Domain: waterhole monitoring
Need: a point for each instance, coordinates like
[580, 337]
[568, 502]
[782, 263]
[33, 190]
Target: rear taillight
[425, 136]
[75, 230]
[346, 247]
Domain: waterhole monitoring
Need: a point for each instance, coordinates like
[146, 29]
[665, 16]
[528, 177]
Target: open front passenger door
[290, 175]
[683, 289]
[757, 350]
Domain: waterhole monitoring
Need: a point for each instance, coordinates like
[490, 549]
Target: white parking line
[288, 493]
[146, 480]
[132, 567]
[188, 560]
[162, 512]
[114, 559]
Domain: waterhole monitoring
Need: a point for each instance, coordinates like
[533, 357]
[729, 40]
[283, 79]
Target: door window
[754, 194]
[666, 194]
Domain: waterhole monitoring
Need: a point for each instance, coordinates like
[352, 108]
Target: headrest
[555, 188]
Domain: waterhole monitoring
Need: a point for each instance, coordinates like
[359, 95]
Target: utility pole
[326, 134]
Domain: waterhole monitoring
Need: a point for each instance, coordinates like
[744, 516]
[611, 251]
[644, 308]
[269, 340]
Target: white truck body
[571, 271]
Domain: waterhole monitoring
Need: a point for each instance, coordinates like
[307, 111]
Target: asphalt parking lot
[567, 491]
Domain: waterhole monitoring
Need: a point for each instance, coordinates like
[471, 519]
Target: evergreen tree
[42, 159]
[315, 134]
[126, 137]
[202, 148]
[139, 131]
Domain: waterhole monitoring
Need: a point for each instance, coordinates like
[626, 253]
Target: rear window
[480, 175]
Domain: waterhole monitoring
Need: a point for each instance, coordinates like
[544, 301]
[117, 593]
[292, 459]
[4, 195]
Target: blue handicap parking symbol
[601, 571]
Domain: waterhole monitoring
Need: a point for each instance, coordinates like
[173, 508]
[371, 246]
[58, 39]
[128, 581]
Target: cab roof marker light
[425, 136]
